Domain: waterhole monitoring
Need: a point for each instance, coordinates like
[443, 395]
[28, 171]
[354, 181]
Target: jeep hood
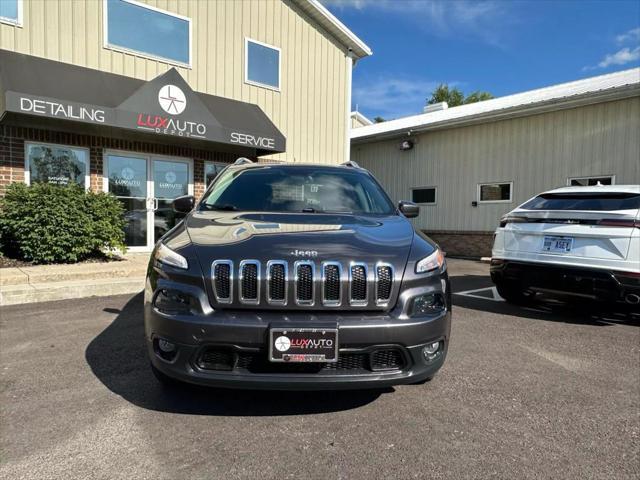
[266, 236]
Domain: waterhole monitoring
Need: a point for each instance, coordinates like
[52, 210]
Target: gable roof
[339, 30]
[361, 118]
[566, 95]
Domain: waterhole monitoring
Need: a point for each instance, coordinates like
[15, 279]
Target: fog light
[166, 345]
[165, 349]
[431, 351]
[426, 304]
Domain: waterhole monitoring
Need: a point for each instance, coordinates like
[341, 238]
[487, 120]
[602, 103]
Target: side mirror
[184, 204]
[408, 209]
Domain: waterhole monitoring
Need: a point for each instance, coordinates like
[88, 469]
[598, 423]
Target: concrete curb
[46, 292]
[45, 283]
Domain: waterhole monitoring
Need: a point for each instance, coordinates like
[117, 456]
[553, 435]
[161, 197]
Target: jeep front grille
[277, 282]
[331, 274]
[249, 279]
[304, 282]
[384, 281]
[328, 284]
[222, 271]
[358, 284]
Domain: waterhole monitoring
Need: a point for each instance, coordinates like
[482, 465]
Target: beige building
[359, 120]
[169, 88]
[469, 165]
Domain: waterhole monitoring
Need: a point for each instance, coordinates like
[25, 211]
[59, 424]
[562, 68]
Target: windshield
[297, 189]
[584, 201]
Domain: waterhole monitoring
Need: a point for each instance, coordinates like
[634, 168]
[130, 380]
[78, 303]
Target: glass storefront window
[262, 64]
[127, 177]
[171, 179]
[148, 30]
[211, 170]
[11, 11]
[57, 164]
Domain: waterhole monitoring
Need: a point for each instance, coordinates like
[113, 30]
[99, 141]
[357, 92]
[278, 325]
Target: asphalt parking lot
[550, 392]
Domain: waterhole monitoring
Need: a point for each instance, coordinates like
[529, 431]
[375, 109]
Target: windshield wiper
[222, 207]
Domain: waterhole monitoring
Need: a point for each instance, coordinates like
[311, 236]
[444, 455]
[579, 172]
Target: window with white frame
[139, 28]
[57, 164]
[498, 192]
[211, 171]
[262, 64]
[11, 12]
[424, 195]
[590, 181]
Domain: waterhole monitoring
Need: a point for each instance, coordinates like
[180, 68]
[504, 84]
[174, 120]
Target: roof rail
[351, 163]
[242, 161]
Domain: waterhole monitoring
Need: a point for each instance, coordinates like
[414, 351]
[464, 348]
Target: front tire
[517, 296]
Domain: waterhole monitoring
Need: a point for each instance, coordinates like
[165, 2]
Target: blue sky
[499, 46]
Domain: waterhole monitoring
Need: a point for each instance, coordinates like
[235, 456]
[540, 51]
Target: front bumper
[595, 283]
[243, 335]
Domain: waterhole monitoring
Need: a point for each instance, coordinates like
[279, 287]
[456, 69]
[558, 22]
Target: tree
[454, 96]
[478, 97]
[378, 120]
[443, 93]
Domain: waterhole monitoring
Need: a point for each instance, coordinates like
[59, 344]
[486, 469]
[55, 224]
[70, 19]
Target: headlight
[167, 256]
[432, 262]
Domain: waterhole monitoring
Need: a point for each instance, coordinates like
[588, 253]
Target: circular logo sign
[128, 173]
[170, 177]
[282, 344]
[172, 99]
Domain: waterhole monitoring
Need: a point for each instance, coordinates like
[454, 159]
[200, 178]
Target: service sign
[164, 106]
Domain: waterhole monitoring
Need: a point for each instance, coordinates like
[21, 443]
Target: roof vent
[435, 107]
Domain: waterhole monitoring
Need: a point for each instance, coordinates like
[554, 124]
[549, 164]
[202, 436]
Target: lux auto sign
[54, 108]
[173, 101]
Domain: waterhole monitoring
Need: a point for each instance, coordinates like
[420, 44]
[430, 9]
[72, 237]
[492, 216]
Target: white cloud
[393, 97]
[632, 35]
[624, 55]
[475, 18]
[621, 57]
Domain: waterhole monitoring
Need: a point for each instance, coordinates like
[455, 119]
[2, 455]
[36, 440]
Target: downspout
[351, 60]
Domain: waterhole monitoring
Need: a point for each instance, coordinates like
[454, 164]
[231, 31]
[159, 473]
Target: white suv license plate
[557, 244]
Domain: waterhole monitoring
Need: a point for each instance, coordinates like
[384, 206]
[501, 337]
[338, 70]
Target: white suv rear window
[584, 201]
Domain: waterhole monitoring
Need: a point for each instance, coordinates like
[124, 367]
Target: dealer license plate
[303, 345]
[557, 244]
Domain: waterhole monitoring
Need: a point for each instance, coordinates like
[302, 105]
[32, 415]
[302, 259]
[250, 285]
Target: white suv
[573, 241]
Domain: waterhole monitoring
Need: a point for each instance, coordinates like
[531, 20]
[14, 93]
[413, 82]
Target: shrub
[47, 223]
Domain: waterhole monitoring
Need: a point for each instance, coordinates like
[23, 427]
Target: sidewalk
[59, 282]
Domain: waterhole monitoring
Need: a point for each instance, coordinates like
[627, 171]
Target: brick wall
[12, 140]
[464, 244]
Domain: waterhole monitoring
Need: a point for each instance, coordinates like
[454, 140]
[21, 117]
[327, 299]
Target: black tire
[517, 296]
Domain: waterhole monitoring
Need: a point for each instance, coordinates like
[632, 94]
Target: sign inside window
[59, 165]
[171, 179]
[127, 176]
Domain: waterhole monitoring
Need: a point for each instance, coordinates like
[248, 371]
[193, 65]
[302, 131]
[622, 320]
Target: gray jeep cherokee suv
[296, 277]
